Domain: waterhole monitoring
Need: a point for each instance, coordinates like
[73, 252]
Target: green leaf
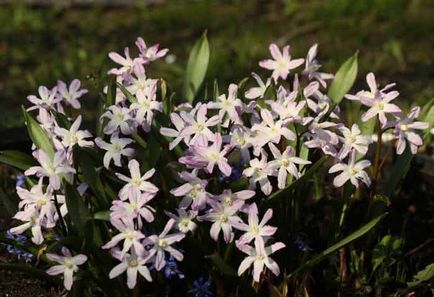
[309, 173]
[423, 276]
[111, 91]
[103, 215]
[17, 159]
[221, 265]
[196, 68]
[127, 93]
[400, 168]
[91, 176]
[350, 238]
[9, 205]
[77, 209]
[38, 135]
[427, 115]
[344, 79]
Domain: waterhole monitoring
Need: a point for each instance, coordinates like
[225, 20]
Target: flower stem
[378, 150]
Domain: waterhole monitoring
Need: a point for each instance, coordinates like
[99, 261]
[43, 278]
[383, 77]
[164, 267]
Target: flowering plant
[205, 191]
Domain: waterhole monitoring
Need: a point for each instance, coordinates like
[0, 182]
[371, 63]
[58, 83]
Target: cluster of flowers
[256, 136]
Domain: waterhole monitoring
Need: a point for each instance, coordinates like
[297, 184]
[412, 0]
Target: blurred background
[45, 40]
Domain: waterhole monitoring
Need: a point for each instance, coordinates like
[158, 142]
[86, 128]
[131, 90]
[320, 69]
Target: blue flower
[201, 288]
[171, 269]
[235, 175]
[302, 245]
[20, 181]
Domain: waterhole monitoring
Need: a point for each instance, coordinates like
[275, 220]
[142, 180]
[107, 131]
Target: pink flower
[193, 192]
[68, 265]
[209, 156]
[312, 66]
[258, 256]
[47, 98]
[149, 54]
[179, 125]
[71, 94]
[377, 100]
[228, 198]
[162, 243]
[282, 63]
[224, 217]
[127, 63]
[139, 81]
[404, 131]
[351, 171]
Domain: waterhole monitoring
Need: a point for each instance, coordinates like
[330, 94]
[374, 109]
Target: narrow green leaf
[400, 168]
[344, 79]
[17, 159]
[103, 215]
[111, 91]
[90, 174]
[309, 173]
[216, 92]
[423, 276]
[127, 93]
[221, 265]
[38, 135]
[77, 209]
[196, 68]
[350, 238]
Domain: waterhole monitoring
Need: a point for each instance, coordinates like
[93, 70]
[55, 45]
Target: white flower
[270, 130]
[140, 82]
[259, 171]
[119, 118]
[282, 63]
[259, 91]
[193, 192]
[73, 135]
[197, 124]
[404, 131]
[71, 94]
[129, 235]
[312, 66]
[351, 171]
[47, 98]
[353, 140]
[162, 243]
[115, 149]
[258, 256]
[132, 264]
[68, 265]
[223, 217]
[285, 163]
[229, 105]
[184, 220]
[136, 182]
[50, 168]
[179, 125]
[145, 106]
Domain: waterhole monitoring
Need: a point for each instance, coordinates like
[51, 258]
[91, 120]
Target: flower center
[129, 235]
[404, 127]
[68, 264]
[260, 257]
[379, 105]
[162, 243]
[184, 222]
[284, 162]
[254, 229]
[224, 218]
[136, 182]
[351, 139]
[41, 201]
[133, 262]
[282, 65]
[227, 200]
